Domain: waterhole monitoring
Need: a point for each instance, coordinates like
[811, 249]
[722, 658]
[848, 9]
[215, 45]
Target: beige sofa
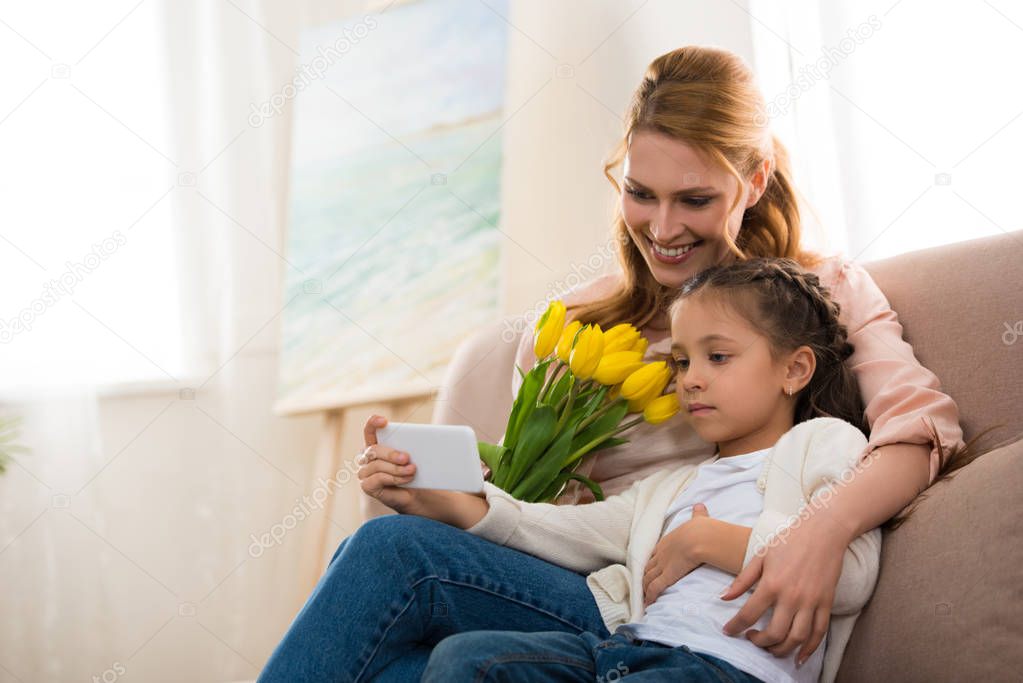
[949, 600]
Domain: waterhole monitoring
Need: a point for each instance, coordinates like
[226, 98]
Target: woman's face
[673, 198]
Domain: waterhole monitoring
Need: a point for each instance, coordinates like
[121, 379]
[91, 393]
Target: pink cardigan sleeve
[901, 396]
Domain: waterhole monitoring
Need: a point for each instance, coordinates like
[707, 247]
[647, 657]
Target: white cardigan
[612, 540]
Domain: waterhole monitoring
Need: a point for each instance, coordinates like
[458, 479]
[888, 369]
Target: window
[903, 135]
[89, 289]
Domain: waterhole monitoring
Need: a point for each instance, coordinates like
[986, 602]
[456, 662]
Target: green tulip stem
[584, 449]
[579, 395]
[568, 409]
[550, 381]
[628, 425]
[597, 414]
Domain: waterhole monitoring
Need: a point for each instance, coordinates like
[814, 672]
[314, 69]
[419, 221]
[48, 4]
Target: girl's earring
[788, 388]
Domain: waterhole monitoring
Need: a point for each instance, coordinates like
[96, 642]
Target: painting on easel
[393, 239]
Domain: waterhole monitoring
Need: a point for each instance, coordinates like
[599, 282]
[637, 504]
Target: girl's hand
[798, 578]
[675, 555]
[382, 469]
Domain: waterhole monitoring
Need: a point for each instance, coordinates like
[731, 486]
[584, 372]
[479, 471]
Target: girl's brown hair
[790, 308]
[707, 98]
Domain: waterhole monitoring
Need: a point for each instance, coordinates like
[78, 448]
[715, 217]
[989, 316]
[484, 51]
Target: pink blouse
[898, 392]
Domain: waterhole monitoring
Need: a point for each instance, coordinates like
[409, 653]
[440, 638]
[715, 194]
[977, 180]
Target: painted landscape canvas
[393, 239]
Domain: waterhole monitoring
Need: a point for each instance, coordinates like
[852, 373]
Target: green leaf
[543, 318]
[525, 402]
[491, 454]
[608, 443]
[560, 389]
[585, 409]
[537, 433]
[9, 428]
[553, 490]
[605, 424]
[546, 468]
[593, 486]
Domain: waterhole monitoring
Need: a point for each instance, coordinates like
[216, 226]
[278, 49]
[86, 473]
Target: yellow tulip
[661, 408]
[640, 382]
[564, 349]
[620, 338]
[615, 367]
[548, 329]
[585, 356]
[640, 345]
[639, 403]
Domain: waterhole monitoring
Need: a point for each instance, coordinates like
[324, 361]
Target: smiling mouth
[676, 251]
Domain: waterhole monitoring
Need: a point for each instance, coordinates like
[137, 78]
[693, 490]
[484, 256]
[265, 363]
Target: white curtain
[126, 533]
[54, 591]
[898, 116]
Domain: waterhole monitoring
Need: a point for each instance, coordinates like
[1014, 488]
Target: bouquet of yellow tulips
[562, 415]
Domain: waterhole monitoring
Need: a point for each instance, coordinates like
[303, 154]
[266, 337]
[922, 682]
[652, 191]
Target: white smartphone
[446, 456]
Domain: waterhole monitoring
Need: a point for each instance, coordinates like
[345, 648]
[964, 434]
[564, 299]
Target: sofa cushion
[949, 599]
[960, 308]
[477, 388]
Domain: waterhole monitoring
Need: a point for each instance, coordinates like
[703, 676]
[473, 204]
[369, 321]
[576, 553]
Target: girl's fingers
[377, 452]
[381, 480]
[374, 423]
[648, 578]
[378, 466]
[648, 572]
[654, 591]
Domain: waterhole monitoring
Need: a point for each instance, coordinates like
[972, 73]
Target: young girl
[759, 353]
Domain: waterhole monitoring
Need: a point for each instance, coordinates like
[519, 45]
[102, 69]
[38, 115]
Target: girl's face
[725, 364]
[673, 198]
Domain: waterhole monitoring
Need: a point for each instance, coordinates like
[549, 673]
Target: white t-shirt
[689, 612]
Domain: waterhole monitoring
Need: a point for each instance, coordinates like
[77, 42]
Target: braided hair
[790, 307]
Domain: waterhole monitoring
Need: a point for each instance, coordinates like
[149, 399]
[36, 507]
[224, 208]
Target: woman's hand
[675, 555]
[796, 577]
[382, 470]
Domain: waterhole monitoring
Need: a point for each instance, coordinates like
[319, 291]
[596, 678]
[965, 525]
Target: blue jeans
[401, 584]
[565, 657]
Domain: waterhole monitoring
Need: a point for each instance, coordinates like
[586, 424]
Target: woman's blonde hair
[707, 98]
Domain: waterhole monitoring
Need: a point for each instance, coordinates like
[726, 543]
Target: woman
[704, 183]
